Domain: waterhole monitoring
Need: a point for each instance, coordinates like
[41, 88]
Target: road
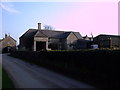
[25, 75]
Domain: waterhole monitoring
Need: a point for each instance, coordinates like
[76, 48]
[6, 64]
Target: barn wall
[70, 40]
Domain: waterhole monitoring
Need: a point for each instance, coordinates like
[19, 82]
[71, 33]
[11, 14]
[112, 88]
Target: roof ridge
[39, 31]
[43, 33]
[56, 30]
[108, 35]
[12, 38]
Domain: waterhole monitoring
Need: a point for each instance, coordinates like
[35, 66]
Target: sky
[84, 17]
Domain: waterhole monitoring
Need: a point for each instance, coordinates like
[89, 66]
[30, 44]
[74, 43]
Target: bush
[97, 60]
[96, 64]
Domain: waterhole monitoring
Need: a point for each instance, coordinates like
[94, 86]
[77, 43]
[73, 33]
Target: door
[40, 46]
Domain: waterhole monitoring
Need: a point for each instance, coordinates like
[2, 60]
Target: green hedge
[99, 64]
[97, 60]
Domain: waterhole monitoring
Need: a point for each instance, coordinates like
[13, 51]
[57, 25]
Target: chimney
[5, 35]
[39, 26]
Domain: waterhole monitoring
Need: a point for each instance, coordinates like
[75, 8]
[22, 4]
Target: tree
[48, 27]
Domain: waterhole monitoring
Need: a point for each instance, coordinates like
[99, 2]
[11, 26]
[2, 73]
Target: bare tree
[48, 27]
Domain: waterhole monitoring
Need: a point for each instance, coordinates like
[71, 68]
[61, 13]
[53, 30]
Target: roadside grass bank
[0, 76]
[6, 81]
[99, 68]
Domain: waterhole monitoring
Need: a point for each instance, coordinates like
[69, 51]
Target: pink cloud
[87, 17]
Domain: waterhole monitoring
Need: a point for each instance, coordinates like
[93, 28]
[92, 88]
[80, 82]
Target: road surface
[25, 75]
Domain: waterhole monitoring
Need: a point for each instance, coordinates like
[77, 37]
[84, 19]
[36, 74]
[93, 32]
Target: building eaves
[29, 33]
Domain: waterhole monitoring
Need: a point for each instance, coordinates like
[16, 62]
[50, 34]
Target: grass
[6, 81]
[0, 77]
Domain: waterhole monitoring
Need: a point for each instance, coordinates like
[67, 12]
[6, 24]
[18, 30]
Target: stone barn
[107, 41]
[40, 39]
[7, 44]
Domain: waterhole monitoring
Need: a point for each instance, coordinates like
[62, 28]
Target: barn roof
[7, 37]
[104, 35]
[49, 33]
[29, 33]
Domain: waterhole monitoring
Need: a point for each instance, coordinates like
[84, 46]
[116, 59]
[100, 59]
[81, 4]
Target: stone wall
[70, 40]
[26, 43]
[8, 41]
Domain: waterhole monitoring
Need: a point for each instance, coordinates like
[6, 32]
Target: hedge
[98, 62]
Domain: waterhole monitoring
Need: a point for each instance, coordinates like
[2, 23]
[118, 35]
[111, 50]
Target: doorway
[40, 46]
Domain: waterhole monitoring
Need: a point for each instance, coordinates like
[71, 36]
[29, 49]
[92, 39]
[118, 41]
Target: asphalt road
[25, 75]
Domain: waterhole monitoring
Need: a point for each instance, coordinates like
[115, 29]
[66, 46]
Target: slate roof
[7, 37]
[52, 34]
[49, 33]
[30, 33]
[104, 35]
[109, 35]
[78, 35]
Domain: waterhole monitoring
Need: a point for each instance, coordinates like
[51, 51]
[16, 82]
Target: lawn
[0, 76]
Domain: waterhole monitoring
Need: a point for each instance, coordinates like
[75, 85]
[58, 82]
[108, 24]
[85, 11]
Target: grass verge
[6, 81]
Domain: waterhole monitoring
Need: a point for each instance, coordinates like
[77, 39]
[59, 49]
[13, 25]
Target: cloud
[8, 6]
